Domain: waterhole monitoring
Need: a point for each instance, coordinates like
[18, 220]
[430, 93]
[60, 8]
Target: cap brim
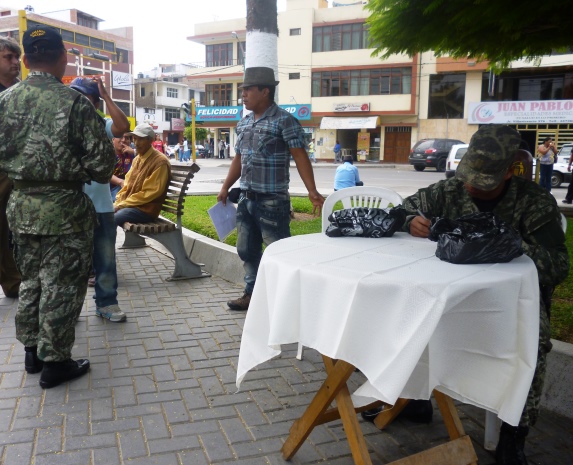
[246, 84]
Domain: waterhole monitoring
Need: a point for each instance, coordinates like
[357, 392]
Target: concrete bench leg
[133, 240]
[185, 268]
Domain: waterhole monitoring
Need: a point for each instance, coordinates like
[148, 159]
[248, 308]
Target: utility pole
[193, 154]
[262, 35]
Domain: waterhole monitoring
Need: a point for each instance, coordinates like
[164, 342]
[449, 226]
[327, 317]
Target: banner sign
[177, 124]
[521, 112]
[235, 113]
[121, 80]
[343, 107]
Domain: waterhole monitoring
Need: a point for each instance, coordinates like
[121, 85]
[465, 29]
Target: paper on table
[224, 218]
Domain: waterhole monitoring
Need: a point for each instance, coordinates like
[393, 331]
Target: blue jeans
[545, 174]
[131, 215]
[104, 261]
[259, 222]
[114, 190]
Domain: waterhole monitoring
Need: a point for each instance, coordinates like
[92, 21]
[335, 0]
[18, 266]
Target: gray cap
[143, 130]
[490, 154]
[259, 76]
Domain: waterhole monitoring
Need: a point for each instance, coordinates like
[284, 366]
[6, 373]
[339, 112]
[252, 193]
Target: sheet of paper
[224, 218]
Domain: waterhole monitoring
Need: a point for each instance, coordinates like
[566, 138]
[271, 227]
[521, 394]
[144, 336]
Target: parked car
[200, 151]
[170, 151]
[456, 153]
[432, 153]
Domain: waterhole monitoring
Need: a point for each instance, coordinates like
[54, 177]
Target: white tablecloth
[409, 321]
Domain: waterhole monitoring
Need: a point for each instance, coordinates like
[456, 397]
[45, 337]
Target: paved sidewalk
[161, 390]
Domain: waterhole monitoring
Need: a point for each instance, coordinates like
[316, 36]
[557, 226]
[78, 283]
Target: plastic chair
[365, 196]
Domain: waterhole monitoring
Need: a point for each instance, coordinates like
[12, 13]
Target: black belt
[70, 185]
[251, 195]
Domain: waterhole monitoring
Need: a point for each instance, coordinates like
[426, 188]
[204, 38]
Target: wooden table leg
[349, 420]
[386, 416]
[301, 428]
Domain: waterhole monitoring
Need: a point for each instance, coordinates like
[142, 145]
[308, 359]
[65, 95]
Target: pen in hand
[421, 214]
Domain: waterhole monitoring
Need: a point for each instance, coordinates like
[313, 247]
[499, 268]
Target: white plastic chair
[363, 196]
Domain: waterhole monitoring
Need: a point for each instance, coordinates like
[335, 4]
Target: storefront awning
[349, 122]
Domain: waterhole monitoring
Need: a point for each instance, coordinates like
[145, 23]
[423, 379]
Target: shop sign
[177, 124]
[235, 113]
[121, 80]
[521, 112]
[344, 107]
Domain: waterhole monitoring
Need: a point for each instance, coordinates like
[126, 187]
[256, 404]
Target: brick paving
[161, 390]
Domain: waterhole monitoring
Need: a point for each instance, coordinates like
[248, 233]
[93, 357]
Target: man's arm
[307, 175]
[120, 122]
[232, 176]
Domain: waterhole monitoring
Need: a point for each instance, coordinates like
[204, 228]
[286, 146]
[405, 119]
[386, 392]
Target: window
[340, 37]
[295, 31]
[294, 75]
[97, 43]
[173, 93]
[379, 81]
[68, 36]
[82, 39]
[219, 54]
[241, 52]
[447, 96]
[108, 46]
[221, 94]
[125, 107]
[142, 91]
[87, 22]
[122, 56]
[529, 87]
[171, 113]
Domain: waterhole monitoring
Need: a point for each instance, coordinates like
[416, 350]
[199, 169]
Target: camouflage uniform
[533, 212]
[53, 143]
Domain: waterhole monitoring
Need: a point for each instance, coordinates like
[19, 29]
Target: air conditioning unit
[99, 56]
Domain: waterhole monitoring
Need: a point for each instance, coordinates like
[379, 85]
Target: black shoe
[417, 411]
[240, 304]
[32, 363]
[55, 373]
[509, 450]
[567, 201]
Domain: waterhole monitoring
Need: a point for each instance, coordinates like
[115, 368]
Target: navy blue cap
[86, 86]
[40, 39]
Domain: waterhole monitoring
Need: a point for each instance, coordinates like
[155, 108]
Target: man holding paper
[267, 138]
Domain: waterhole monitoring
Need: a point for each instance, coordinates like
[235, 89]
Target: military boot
[511, 444]
[32, 363]
[55, 373]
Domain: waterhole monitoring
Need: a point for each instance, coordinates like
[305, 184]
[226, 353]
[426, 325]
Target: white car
[456, 153]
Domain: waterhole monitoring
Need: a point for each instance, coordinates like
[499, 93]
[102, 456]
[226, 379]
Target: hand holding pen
[420, 225]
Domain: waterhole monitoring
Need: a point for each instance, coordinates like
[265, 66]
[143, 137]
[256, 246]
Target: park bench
[168, 233]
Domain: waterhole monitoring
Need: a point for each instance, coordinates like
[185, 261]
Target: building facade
[377, 109]
[91, 51]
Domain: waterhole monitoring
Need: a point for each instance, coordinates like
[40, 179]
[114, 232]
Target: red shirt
[158, 145]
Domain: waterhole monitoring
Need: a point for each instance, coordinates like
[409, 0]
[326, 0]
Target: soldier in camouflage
[52, 144]
[484, 182]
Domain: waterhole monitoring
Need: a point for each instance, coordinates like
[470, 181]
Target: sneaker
[241, 304]
[112, 313]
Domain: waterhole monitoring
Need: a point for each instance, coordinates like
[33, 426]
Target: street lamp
[236, 36]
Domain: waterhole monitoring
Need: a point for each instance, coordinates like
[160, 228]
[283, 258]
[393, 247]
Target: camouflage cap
[490, 155]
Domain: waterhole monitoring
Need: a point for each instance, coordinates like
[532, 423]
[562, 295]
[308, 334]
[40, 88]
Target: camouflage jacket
[530, 209]
[51, 133]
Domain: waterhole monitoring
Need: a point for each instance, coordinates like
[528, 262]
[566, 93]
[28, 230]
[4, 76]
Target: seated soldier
[146, 183]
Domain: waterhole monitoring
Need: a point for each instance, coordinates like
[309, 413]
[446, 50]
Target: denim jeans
[104, 261]
[114, 190]
[131, 215]
[545, 174]
[259, 222]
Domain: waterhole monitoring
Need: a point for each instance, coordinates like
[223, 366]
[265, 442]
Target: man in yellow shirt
[146, 183]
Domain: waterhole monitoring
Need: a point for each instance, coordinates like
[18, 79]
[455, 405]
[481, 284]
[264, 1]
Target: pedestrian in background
[346, 175]
[49, 159]
[9, 275]
[158, 144]
[569, 195]
[546, 154]
[311, 151]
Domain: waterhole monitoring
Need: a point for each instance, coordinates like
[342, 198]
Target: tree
[499, 31]
[200, 133]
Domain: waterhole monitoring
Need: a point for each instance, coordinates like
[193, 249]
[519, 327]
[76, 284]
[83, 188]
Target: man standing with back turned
[53, 143]
[267, 137]
[484, 182]
[9, 71]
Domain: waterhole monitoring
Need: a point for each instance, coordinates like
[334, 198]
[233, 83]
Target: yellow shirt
[156, 182]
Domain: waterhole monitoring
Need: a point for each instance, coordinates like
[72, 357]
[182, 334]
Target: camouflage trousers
[531, 409]
[55, 272]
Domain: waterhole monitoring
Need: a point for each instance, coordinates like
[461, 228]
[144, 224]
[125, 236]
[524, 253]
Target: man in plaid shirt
[267, 138]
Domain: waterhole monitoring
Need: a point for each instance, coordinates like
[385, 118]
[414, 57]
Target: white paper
[224, 218]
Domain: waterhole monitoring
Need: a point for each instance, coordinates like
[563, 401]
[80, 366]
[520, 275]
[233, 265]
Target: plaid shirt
[264, 148]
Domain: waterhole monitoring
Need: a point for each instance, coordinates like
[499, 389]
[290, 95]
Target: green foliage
[499, 31]
[200, 134]
[562, 306]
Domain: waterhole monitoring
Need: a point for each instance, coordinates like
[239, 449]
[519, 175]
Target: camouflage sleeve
[427, 201]
[97, 155]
